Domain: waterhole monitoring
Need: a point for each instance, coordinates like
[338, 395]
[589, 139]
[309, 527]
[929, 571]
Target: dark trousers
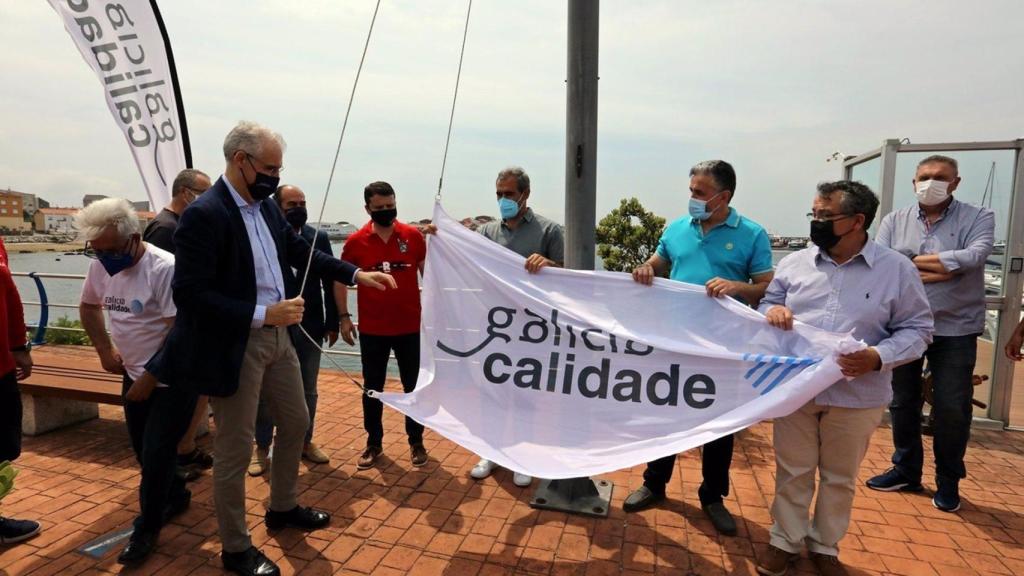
[10, 417]
[374, 352]
[951, 361]
[716, 458]
[155, 426]
[309, 365]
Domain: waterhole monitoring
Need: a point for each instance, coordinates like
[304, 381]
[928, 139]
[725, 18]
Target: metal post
[581, 135]
[1013, 283]
[887, 183]
[579, 495]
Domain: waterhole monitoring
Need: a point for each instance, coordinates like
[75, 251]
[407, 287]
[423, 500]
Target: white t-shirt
[137, 300]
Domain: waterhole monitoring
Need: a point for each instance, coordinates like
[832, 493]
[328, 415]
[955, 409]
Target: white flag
[568, 373]
[124, 44]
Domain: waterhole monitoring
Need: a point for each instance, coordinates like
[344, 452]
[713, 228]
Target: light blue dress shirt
[269, 278]
[877, 295]
[962, 237]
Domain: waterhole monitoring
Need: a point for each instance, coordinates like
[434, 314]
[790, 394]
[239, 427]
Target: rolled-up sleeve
[910, 326]
[977, 248]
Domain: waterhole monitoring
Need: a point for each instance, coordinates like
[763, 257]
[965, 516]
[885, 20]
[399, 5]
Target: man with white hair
[233, 338]
[131, 280]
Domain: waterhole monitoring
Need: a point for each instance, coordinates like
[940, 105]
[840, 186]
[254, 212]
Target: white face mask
[931, 192]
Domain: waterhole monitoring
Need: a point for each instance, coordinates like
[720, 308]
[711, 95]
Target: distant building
[336, 231]
[141, 206]
[90, 198]
[12, 212]
[54, 220]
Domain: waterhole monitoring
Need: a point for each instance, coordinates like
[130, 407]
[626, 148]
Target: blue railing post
[44, 310]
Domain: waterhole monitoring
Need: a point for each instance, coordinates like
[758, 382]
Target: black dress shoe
[249, 562]
[642, 498]
[139, 547]
[721, 518]
[177, 505]
[298, 517]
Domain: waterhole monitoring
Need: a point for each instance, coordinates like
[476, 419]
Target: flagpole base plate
[574, 495]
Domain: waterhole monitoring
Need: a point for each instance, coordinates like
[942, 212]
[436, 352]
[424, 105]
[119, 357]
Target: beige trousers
[825, 441]
[269, 368]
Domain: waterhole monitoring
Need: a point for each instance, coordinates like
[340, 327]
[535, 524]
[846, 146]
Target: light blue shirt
[269, 278]
[962, 237]
[877, 295]
[736, 249]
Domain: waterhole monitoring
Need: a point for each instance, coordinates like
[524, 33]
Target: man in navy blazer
[233, 337]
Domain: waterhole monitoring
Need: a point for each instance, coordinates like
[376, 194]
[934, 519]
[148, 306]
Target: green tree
[628, 236]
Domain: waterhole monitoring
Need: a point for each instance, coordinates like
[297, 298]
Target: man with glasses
[187, 186]
[730, 255]
[233, 336]
[130, 280]
[949, 242]
[844, 283]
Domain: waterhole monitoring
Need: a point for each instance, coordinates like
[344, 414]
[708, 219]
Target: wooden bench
[66, 387]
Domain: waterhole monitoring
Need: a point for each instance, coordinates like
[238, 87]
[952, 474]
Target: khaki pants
[271, 368]
[818, 440]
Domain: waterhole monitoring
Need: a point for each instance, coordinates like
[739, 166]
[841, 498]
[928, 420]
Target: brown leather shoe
[828, 565]
[776, 562]
[368, 457]
[314, 454]
[419, 455]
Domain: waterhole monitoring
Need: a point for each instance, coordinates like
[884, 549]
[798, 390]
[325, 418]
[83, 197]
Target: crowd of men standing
[227, 297]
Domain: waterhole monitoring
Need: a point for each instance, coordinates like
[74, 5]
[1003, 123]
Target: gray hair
[720, 171]
[187, 179]
[522, 178]
[92, 220]
[857, 198]
[940, 158]
[249, 137]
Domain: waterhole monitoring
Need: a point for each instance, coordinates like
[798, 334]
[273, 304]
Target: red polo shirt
[12, 319]
[388, 312]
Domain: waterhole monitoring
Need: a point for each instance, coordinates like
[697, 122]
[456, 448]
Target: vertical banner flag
[126, 45]
[569, 373]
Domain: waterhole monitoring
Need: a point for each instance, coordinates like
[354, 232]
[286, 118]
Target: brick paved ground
[81, 483]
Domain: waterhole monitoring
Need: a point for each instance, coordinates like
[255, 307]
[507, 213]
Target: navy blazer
[321, 315]
[215, 290]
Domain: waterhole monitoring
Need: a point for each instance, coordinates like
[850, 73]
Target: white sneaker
[521, 480]
[482, 469]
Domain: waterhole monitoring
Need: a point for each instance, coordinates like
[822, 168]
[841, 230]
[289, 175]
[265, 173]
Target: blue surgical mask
[508, 208]
[699, 208]
[117, 262]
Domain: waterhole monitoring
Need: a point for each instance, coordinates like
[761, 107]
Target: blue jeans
[309, 365]
[951, 361]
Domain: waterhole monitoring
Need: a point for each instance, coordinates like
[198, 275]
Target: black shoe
[197, 459]
[12, 530]
[186, 474]
[298, 517]
[139, 547]
[721, 518]
[947, 497]
[250, 562]
[642, 498]
[419, 455]
[892, 480]
[177, 505]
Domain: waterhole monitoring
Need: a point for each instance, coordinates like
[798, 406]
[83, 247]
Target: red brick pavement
[81, 483]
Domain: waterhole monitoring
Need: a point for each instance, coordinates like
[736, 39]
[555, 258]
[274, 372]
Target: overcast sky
[774, 87]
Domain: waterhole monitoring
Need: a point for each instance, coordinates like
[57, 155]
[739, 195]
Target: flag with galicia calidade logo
[126, 45]
[568, 373]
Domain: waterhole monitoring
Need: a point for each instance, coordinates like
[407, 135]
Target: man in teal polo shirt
[729, 255]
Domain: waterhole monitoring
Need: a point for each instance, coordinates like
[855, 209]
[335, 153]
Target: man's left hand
[23, 364]
[141, 389]
[720, 287]
[859, 363]
[535, 262]
[331, 338]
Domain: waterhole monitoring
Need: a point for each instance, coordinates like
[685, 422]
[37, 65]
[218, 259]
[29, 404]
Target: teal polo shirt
[737, 249]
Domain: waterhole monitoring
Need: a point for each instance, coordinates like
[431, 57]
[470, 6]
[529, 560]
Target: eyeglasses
[827, 217]
[95, 254]
[272, 170]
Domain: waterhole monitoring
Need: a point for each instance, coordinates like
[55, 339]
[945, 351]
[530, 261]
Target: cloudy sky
[774, 87]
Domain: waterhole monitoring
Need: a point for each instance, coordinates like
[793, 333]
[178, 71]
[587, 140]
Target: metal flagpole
[579, 495]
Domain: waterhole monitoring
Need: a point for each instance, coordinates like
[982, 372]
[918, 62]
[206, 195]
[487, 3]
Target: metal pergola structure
[1008, 302]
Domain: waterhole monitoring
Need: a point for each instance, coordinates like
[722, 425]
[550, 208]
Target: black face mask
[823, 234]
[296, 216]
[384, 218]
[263, 186]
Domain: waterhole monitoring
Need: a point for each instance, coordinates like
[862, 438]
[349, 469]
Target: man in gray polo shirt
[532, 236]
[949, 242]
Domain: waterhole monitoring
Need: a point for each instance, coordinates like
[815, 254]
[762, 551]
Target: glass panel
[986, 179]
[988, 351]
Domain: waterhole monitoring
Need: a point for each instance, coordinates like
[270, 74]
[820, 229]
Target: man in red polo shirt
[388, 321]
